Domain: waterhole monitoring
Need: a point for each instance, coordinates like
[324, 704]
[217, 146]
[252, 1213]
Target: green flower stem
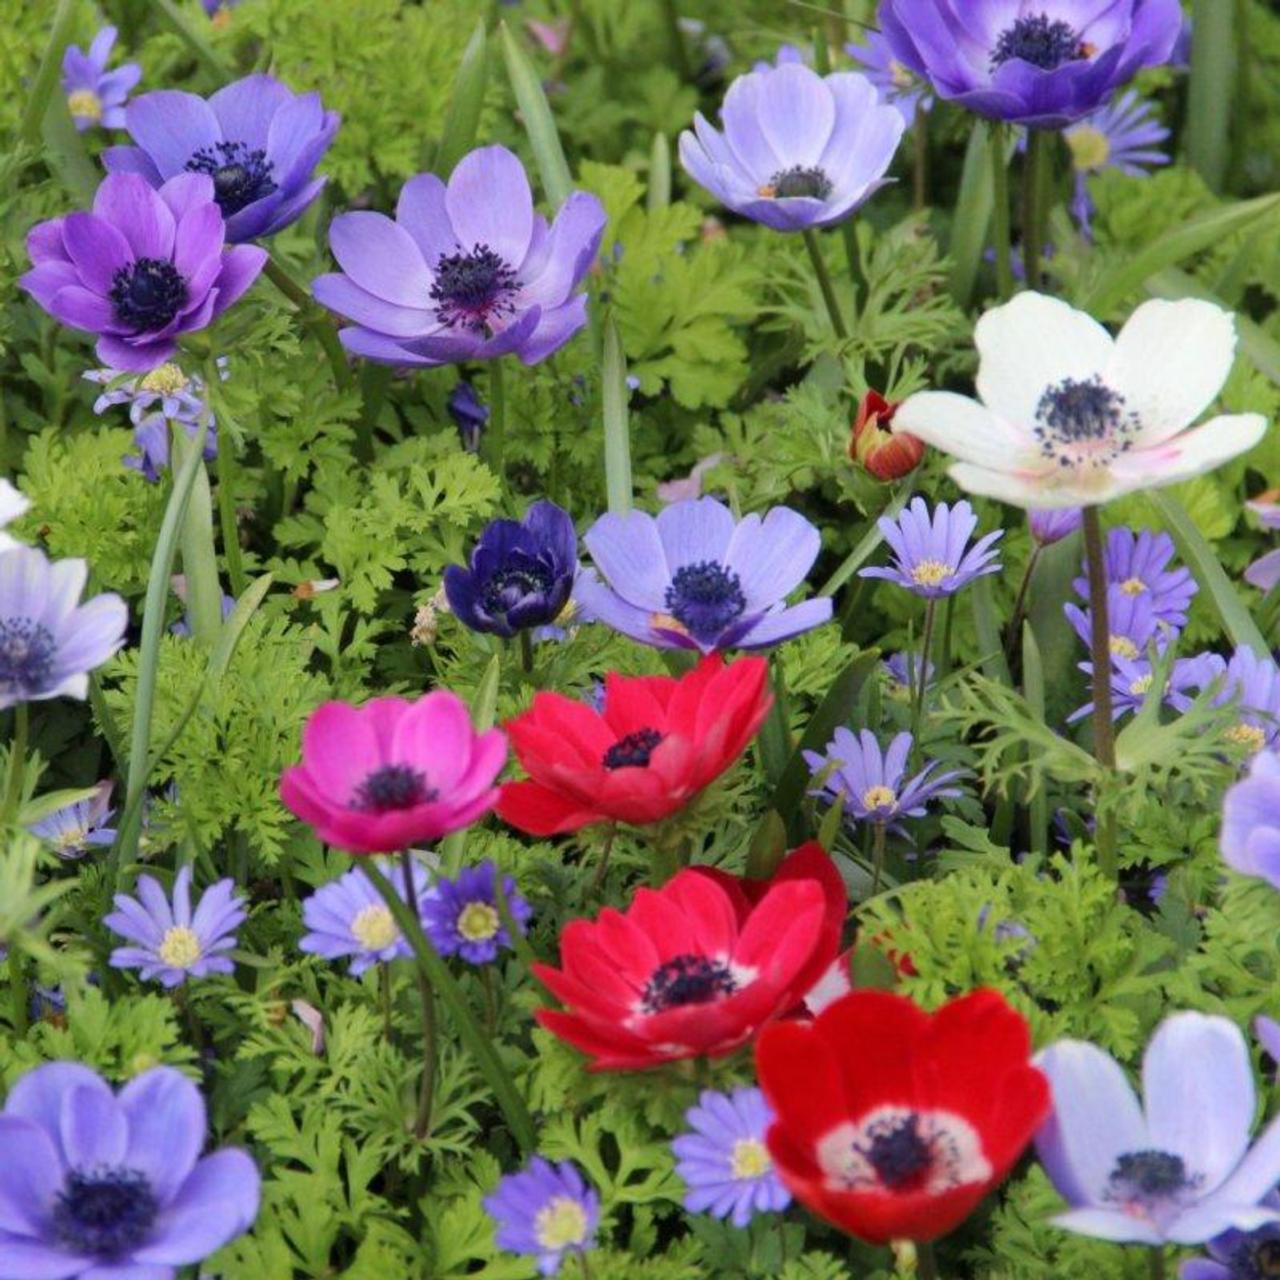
[493, 439]
[18, 990]
[877, 857]
[857, 272]
[17, 766]
[1034, 174]
[926, 1262]
[526, 651]
[1000, 228]
[1020, 604]
[314, 320]
[824, 283]
[610, 834]
[1155, 1262]
[481, 1048]
[427, 1086]
[920, 170]
[227, 472]
[1104, 745]
[922, 675]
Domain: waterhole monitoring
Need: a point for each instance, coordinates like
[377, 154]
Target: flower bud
[885, 455]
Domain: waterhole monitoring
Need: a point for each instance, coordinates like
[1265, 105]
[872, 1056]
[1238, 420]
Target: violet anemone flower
[521, 573]
[1138, 565]
[469, 414]
[171, 942]
[871, 782]
[72, 830]
[694, 578]
[1048, 527]
[96, 96]
[1250, 835]
[256, 140]
[1040, 63]
[102, 1184]
[1132, 678]
[897, 84]
[1133, 622]
[1239, 1255]
[141, 269]
[465, 271]
[799, 150]
[151, 439]
[48, 642]
[546, 1211]
[1249, 681]
[1178, 1168]
[931, 552]
[903, 672]
[463, 919]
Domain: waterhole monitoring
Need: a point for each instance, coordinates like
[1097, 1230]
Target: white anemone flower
[12, 505]
[1069, 416]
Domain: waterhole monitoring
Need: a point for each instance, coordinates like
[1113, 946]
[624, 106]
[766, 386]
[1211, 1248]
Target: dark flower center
[470, 289]
[1040, 40]
[240, 174]
[1148, 1176]
[704, 598]
[634, 750]
[394, 786]
[508, 587]
[104, 1212]
[1075, 416]
[1257, 1257]
[27, 650]
[799, 181]
[898, 1152]
[147, 294]
[687, 979]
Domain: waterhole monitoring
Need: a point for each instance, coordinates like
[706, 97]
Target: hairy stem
[825, 284]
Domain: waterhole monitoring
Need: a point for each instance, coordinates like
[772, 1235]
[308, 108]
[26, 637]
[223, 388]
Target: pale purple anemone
[1054, 524]
[256, 139]
[931, 552]
[111, 1186]
[898, 85]
[799, 150]
[1250, 681]
[72, 830]
[1264, 573]
[694, 578]
[1137, 564]
[1178, 1168]
[546, 1211]
[465, 271]
[141, 269]
[48, 641]
[1041, 63]
[1132, 678]
[173, 943]
[96, 96]
[1250, 835]
[1133, 623]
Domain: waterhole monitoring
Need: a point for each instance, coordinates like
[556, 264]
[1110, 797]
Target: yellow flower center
[749, 1159]
[179, 948]
[900, 75]
[86, 104]
[1123, 647]
[1090, 147]
[374, 927]
[1140, 685]
[1247, 735]
[560, 1223]
[167, 379]
[478, 922]
[880, 797]
[929, 573]
[1133, 586]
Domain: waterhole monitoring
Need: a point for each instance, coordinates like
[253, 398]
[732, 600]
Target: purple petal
[96, 248]
[92, 1127]
[241, 266]
[131, 160]
[421, 212]
[245, 109]
[166, 1118]
[171, 126]
[381, 257]
[555, 326]
[489, 202]
[128, 203]
[218, 1202]
[30, 1176]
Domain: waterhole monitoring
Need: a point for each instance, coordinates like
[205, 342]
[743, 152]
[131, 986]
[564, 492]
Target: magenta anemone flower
[393, 773]
[141, 269]
[96, 96]
[465, 271]
[256, 139]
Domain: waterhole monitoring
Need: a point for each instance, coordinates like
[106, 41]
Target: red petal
[875, 1034]
[539, 811]
[801, 1076]
[713, 922]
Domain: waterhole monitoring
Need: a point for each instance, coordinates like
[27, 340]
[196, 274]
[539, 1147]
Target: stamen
[797, 181]
[1133, 586]
[240, 174]
[179, 948]
[374, 927]
[879, 797]
[749, 1159]
[27, 651]
[705, 598]
[147, 294]
[478, 922]
[472, 289]
[394, 786]
[1249, 736]
[86, 104]
[687, 979]
[1044, 42]
[560, 1224]
[510, 586]
[633, 751]
[1083, 423]
[1143, 1179]
[104, 1213]
[930, 573]
[900, 1154]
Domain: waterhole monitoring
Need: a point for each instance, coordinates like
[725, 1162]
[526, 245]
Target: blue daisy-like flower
[931, 552]
[462, 918]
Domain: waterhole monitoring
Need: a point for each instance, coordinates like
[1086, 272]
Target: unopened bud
[884, 455]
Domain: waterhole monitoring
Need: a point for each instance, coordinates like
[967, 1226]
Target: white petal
[1191, 454]
[12, 503]
[1031, 344]
[1047, 489]
[965, 429]
[1170, 361]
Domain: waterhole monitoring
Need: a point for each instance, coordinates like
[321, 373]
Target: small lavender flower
[724, 1161]
[165, 392]
[151, 439]
[1250, 836]
[1264, 573]
[931, 554]
[1240, 1255]
[1052, 525]
[183, 626]
[1132, 620]
[48, 642]
[172, 942]
[469, 414]
[348, 917]
[896, 83]
[694, 578]
[1138, 565]
[76, 828]
[546, 1211]
[903, 671]
[1122, 136]
[96, 96]
[871, 781]
[1251, 682]
[462, 918]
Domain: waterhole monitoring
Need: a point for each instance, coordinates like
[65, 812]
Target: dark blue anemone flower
[521, 574]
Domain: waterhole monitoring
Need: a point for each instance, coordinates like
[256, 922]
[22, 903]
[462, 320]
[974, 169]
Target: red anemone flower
[680, 974]
[656, 744]
[893, 1123]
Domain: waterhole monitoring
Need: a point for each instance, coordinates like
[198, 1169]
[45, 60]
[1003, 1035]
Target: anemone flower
[96, 96]
[931, 552]
[546, 1211]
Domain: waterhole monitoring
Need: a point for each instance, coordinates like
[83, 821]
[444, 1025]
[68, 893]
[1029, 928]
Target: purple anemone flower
[171, 942]
[1040, 63]
[1133, 622]
[1137, 564]
[521, 573]
[1253, 684]
[799, 150]
[903, 671]
[256, 139]
[694, 578]
[871, 781]
[931, 553]
[348, 917]
[96, 96]
[1250, 836]
[1177, 1168]
[545, 1211]
[104, 1186]
[141, 269]
[1052, 525]
[76, 828]
[786, 53]
[48, 642]
[462, 917]
[1239, 1255]
[469, 414]
[1132, 678]
[151, 439]
[896, 83]
[465, 271]
[724, 1161]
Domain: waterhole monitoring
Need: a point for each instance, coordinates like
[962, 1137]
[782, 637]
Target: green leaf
[1212, 89]
[539, 123]
[617, 431]
[767, 846]
[972, 215]
[194, 40]
[46, 81]
[659, 194]
[65, 153]
[463, 118]
[1033, 691]
[199, 559]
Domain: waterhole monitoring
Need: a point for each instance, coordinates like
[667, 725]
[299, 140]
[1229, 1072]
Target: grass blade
[1212, 89]
[199, 558]
[463, 118]
[539, 123]
[617, 430]
[46, 81]
[972, 216]
[659, 193]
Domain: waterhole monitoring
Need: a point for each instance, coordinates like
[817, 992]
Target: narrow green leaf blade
[972, 215]
[539, 123]
[194, 40]
[46, 81]
[617, 428]
[463, 118]
[1212, 89]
